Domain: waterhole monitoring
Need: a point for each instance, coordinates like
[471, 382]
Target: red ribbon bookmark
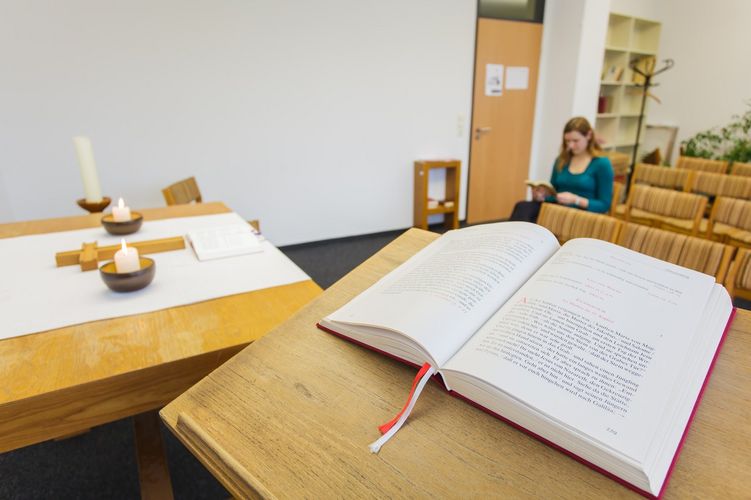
[392, 426]
[388, 425]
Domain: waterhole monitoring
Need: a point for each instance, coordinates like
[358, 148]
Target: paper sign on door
[493, 79]
[517, 78]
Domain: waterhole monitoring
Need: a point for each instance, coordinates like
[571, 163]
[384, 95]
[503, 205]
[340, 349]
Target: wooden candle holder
[89, 255]
[94, 207]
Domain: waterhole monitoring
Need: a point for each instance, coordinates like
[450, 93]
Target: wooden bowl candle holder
[94, 206]
[124, 227]
[128, 282]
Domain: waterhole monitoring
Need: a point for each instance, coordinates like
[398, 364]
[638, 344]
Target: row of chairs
[728, 221]
[713, 166]
[692, 181]
[710, 257]
[730, 224]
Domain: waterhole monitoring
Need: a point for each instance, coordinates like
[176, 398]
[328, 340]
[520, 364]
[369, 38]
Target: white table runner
[35, 295]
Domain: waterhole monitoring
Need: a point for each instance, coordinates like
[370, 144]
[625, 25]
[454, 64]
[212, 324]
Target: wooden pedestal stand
[449, 206]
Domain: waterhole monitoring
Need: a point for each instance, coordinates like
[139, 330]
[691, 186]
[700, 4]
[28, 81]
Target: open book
[592, 347]
[224, 241]
[548, 187]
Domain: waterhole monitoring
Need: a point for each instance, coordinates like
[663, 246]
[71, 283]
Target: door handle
[481, 130]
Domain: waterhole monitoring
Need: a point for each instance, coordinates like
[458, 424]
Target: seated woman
[581, 176]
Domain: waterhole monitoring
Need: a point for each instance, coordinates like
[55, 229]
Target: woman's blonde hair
[581, 125]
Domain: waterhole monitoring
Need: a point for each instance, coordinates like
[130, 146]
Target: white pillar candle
[91, 188]
[126, 259]
[121, 213]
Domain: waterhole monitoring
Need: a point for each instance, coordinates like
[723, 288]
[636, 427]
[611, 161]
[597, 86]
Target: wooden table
[292, 415]
[66, 380]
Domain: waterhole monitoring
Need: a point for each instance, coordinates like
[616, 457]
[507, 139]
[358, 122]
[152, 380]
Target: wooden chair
[730, 222]
[618, 190]
[621, 163]
[678, 179]
[709, 257]
[665, 209]
[738, 280]
[740, 168]
[713, 185]
[181, 192]
[186, 191]
[567, 223]
[702, 164]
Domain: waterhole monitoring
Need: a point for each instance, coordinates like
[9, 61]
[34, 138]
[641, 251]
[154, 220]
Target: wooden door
[502, 123]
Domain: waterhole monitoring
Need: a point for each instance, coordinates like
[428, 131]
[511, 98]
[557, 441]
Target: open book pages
[598, 349]
[224, 241]
[548, 187]
[429, 306]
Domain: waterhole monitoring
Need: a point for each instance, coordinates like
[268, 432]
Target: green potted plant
[731, 142]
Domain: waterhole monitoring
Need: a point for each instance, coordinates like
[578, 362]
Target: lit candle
[126, 259]
[92, 190]
[121, 213]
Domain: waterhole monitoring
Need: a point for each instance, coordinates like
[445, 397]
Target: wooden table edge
[76, 222]
[173, 413]
[189, 432]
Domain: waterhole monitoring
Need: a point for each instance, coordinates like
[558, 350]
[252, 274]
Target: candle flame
[120, 203]
[122, 242]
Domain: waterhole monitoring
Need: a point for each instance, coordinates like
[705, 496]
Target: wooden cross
[90, 254]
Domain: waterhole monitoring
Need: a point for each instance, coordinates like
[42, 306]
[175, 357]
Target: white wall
[710, 44]
[573, 40]
[711, 80]
[589, 67]
[6, 213]
[306, 115]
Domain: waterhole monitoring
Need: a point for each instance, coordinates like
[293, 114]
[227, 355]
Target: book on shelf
[545, 185]
[224, 241]
[613, 74]
[593, 348]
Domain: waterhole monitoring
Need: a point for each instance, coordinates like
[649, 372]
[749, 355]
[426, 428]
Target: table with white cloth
[74, 354]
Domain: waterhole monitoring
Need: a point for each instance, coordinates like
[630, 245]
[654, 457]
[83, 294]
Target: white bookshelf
[628, 38]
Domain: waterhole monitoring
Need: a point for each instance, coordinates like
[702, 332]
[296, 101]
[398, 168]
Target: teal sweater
[595, 183]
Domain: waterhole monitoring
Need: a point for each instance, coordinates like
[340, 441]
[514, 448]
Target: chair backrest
[618, 189]
[738, 280]
[620, 162]
[732, 186]
[666, 202]
[732, 212]
[181, 192]
[740, 168]
[702, 164]
[709, 257]
[567, 223]
[670, 178]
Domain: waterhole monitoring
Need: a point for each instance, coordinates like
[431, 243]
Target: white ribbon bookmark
[391, 427]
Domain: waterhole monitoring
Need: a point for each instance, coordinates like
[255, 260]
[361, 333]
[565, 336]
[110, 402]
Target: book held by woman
[596, 349]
